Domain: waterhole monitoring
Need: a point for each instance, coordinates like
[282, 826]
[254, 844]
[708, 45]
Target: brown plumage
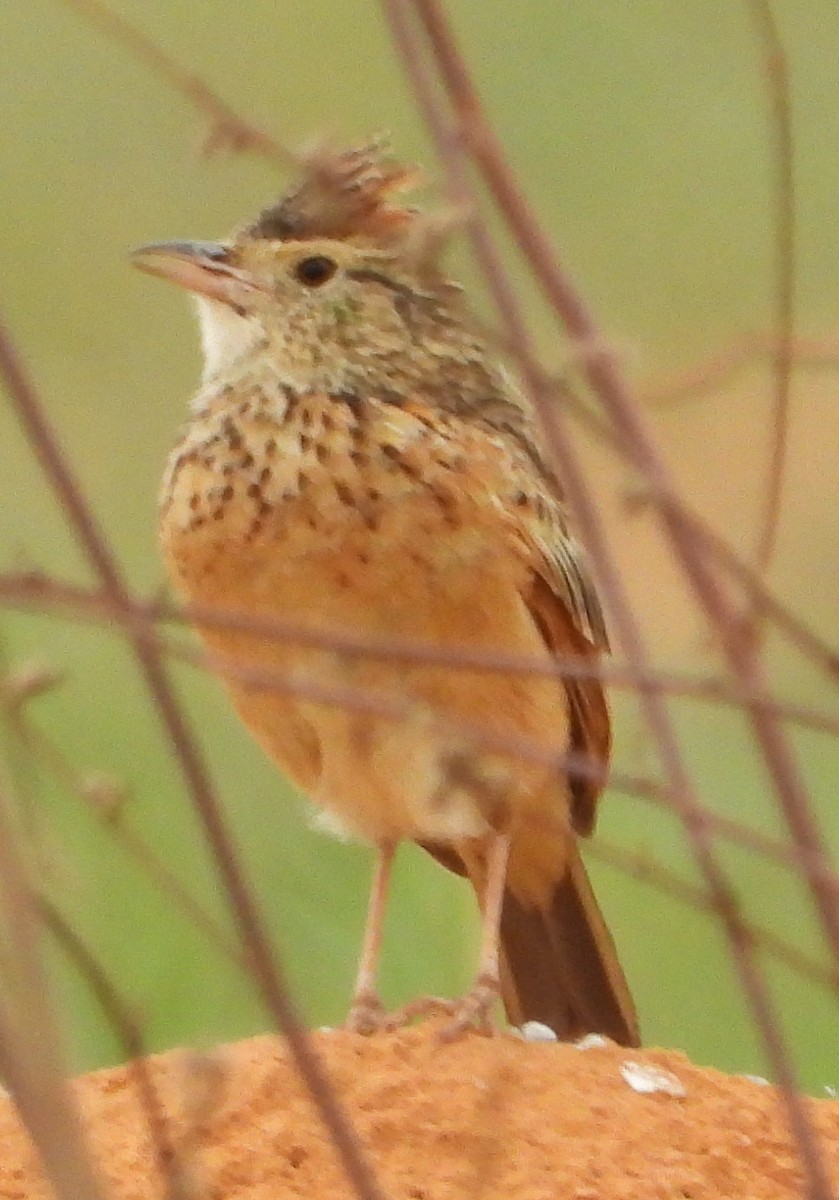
[357, 460]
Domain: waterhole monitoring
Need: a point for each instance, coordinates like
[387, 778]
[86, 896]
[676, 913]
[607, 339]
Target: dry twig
[263, 961]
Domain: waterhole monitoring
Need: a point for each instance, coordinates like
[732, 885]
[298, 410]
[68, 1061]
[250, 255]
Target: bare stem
[30, 1049]
[127, 1031]
[481, 141]
[778, 86]
[262, 958]
[228, 130]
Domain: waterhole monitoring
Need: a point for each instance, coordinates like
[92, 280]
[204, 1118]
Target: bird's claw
[367, 1015]
[473, 1011]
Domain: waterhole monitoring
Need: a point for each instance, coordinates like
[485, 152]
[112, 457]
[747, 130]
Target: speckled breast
[323, 506]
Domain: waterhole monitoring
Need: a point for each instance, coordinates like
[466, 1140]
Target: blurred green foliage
[643, 134]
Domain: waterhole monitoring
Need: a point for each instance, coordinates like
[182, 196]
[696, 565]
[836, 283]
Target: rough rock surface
[482, 1117]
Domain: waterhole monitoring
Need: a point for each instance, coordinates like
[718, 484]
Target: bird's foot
[474, 1010]
[423, 1006]
[367, 1015]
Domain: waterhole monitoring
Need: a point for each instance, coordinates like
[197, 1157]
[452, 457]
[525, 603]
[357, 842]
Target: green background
[643, 135]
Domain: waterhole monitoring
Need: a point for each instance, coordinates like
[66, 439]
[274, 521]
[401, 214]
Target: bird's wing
[564, 605]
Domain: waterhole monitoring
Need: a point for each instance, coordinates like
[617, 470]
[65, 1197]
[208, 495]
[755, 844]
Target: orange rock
[482, 1117]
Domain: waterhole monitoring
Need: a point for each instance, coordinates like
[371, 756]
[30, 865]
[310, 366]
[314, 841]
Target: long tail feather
[560, 967]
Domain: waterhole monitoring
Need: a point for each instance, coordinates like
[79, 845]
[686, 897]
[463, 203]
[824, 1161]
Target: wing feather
[565, 607]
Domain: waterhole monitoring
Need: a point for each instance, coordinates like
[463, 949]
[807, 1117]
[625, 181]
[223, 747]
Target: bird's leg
[474, 1010]
[366, 1013]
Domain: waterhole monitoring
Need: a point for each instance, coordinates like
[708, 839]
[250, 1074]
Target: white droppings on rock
[592, 1041]
[647, 1079]
[535, 1031]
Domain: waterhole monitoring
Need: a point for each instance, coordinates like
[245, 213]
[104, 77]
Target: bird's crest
[343, 194]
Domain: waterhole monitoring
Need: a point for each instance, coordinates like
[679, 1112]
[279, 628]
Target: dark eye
[315, 270]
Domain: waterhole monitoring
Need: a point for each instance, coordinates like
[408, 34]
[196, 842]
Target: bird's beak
[203, 268]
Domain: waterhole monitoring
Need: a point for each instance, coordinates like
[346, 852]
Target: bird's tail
[559, 964]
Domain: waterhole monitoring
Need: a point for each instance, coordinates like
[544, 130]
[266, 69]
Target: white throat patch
[225, 336]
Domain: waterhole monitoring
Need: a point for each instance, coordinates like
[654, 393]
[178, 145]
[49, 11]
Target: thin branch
[228, 131]
[475, 130]
[472, 127]
[641, 866]
[711, 374]
[127, 1032]
[30, 1053]
[564, 763]
[765, 601]
[626, 415]
[110, 816]
[604, 377]
[390, 707]
[638, 865]
[506, 189]
[262, 958]
[398, 707]
[778, 85]
[268, 678]
[41, 592]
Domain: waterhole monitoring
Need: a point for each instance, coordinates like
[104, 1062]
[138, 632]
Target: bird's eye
[315, 270]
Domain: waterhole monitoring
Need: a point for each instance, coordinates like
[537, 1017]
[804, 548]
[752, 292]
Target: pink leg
[474, 1010]
[366, 1014]
[499, 855]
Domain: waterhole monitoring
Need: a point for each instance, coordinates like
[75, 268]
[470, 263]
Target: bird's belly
[381, 743]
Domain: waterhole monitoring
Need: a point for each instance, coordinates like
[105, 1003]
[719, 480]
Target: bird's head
[334, 283]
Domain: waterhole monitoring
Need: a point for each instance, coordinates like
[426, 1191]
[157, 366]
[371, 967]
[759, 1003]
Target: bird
[360, 461]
